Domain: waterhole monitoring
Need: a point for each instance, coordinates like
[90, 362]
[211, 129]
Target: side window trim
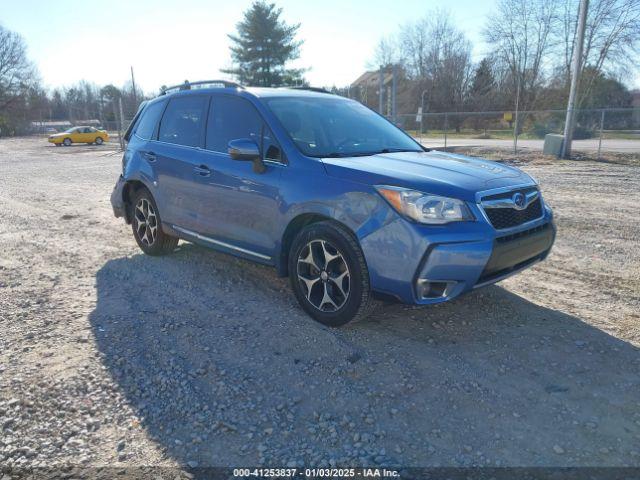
[156, 130]
[283, 158]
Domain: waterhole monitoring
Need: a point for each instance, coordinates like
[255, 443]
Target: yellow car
[79, 135]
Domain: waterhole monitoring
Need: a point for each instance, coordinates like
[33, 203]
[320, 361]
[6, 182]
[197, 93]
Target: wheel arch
[128, 191]
[296, 225]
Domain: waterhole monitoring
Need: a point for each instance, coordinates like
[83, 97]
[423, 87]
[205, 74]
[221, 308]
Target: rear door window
[183, 121]
[147, 124]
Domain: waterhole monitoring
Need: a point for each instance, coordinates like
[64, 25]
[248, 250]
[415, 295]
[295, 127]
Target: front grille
[510, 193]
[502, 218]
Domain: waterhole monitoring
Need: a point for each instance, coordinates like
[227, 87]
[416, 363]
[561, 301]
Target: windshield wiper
[368, 154]
[395, 150]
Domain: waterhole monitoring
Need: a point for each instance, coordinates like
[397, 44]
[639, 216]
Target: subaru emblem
[519, 200]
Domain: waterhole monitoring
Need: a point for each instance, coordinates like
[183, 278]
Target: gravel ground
[110, 357]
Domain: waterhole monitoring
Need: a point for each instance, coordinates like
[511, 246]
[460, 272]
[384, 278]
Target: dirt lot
[108, 356]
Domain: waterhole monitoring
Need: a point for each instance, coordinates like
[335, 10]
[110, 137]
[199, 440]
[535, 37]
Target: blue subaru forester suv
[328, 192]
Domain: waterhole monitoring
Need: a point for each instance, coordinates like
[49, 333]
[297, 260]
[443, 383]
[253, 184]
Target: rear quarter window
[149, 120]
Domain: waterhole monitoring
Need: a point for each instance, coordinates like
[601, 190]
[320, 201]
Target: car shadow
[223, 368]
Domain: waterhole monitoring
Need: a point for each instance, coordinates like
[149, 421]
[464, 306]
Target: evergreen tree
[262, 47]
[482, 86]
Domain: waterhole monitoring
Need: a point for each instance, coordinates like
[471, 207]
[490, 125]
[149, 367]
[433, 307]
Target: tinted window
[183, 121]
[334, 126]
[231, 118]
[149, 120]
[270, 146]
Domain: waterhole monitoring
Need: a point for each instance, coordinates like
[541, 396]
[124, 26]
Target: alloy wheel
[323, 275]
[146, 222]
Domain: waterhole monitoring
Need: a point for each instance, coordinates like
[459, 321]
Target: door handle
[149, 156]
[202, 170]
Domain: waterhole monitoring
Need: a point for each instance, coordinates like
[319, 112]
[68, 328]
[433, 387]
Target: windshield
[338, 127]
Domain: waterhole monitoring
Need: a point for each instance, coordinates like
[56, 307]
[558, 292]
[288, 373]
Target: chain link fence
[596, 131]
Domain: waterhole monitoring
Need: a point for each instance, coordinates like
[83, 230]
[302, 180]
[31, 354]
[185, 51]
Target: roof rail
[187, 85]
[312, 89]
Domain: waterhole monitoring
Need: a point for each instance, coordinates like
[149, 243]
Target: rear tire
[329, 275]
[67, 142]
[147, 227]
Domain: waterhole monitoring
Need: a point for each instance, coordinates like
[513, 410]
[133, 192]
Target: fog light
[432, 290]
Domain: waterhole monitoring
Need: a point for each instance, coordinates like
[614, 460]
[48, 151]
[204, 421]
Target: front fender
[356, 206]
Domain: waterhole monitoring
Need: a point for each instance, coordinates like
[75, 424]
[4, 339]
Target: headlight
[424, 207]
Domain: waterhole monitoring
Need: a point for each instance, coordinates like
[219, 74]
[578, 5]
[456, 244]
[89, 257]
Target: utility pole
[394, 88]
[380, 91]
[576, 67]
[422, 111]
[100, 109]
[120, 123]
[135, 96]
[515, 127]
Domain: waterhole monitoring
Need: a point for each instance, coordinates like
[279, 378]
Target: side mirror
[246, 149]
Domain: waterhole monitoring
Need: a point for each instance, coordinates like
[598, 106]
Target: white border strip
[222, 244]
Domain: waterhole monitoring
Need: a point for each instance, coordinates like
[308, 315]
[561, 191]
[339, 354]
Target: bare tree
[415, 42]
[437, 56]
[448, 64]
[20, 93]
[612, 40]
[386, 53]
[17, 74]
[521, 31]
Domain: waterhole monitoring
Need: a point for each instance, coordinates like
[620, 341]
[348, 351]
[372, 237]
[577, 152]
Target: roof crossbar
[187, 85]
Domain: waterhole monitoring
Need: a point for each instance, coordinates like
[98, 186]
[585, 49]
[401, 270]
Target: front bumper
[117, 199]
[419, 264]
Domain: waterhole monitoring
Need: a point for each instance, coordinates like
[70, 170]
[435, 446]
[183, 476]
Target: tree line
[260, 51]
[527, 64]
[23, 99]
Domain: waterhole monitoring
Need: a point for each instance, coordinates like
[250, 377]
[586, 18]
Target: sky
[167, 42]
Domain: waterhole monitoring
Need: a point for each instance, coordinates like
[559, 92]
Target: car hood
[436, 172]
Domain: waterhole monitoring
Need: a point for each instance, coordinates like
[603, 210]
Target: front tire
[147, 227]
[99, 141]
[67, 142]
[329, 275]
